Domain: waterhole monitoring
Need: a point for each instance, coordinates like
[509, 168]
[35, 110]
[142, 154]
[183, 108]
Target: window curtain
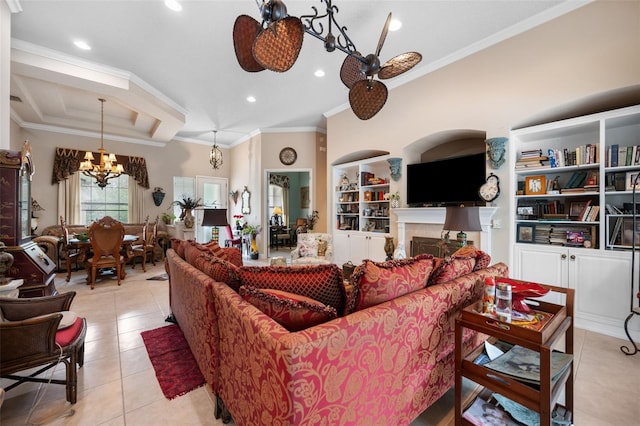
[136, 201]
[66, 165]
[69, 199]
[283, 182]
[67, 162]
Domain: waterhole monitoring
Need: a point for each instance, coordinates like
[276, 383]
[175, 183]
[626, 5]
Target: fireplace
[429, 220]
[435, 246]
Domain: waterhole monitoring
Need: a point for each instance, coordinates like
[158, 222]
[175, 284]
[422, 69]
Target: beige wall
[592, 50]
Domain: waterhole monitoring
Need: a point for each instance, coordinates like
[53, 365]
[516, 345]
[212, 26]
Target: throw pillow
[192, 250]
[482, 259]
[217, 251]
[318, 282]
[377, 282]
[219, 269]
[178, 246]
[308, 248]
[293, 311]
[451, 267]
[322, 247]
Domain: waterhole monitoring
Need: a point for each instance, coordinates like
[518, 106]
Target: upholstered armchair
[313, 248]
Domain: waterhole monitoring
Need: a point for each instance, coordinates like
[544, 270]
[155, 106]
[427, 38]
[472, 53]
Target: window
[96, 202]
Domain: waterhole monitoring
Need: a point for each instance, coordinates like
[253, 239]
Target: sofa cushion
[451, 267]
[178, 245]
[319, 282]
[217, 251]
[293, 311]
[377, 282]
[219, 269]
[192, 250]
[482, 259]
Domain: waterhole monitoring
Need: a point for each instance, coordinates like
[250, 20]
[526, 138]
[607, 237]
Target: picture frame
[576, 207]
[535, 185]
[631, 176]
[305, 200]
[526, 233]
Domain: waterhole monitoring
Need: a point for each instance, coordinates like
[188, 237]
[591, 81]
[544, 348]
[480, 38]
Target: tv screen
[446, 182]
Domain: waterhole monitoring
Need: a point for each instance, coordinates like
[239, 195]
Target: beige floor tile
[141, 389]
[134, 361]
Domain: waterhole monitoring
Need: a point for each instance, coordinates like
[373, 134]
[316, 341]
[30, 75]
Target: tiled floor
[117, 384]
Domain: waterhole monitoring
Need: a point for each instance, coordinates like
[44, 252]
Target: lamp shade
[215, 217]
[462, 219]
[277, 210]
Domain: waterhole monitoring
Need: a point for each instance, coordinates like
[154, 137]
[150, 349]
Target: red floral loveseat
[379, 357]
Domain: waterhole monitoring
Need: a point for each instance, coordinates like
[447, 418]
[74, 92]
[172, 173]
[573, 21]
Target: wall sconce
[496, 151]
[158, 195]
[234, 196]
[395, 166]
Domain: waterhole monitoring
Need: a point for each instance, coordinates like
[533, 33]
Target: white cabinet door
[359, 247]
[341, 248]
[541, 264]
[602, 281]
[376, 248]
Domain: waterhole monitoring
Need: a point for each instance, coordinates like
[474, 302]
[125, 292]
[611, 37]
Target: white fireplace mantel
[436, 216]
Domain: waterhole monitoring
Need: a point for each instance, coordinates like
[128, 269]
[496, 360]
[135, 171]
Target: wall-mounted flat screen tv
[450, 181]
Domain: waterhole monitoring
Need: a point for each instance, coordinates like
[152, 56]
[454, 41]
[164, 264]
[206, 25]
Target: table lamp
[215, 218]
[464, 219]
[275, 219]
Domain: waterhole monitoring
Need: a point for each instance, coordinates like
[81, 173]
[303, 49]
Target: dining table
[84, 247]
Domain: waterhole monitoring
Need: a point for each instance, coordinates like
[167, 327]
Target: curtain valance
[279, 180]
[67, 162]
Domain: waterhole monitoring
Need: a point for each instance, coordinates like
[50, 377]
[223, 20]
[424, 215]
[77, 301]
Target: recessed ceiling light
[80, 44]
[395, 25]
[319, 73]
[251, 99]
[173, 5]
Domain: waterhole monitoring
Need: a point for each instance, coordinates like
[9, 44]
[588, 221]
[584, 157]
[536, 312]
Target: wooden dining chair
[146, 250]
[106, 237]
[70, 253]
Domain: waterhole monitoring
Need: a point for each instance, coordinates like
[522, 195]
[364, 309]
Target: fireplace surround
[434, 217]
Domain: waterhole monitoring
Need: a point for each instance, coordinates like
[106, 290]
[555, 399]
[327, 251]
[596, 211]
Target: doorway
[288, 197]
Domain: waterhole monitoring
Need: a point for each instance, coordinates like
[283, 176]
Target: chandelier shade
[108, 168]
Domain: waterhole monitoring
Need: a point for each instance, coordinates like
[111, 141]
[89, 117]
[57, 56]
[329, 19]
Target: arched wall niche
[359, 155]
[593, 104]
[446, 144]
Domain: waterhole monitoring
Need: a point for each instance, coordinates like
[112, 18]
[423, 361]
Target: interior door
[213, 192]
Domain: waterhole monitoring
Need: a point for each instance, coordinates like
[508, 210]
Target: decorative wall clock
[288, 156]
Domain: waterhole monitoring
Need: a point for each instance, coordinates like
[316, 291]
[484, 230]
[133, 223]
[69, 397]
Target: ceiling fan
[275, 44]
[367, 96]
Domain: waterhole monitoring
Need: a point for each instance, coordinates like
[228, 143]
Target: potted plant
[187, 204]
[253, 231]
[168, 218]
[312, 219]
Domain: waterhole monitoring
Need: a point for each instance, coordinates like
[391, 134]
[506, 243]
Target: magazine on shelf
[483, 413]
[524, 364]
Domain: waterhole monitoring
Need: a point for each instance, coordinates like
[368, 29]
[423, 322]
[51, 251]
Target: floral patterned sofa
[313, 248]
[378, 356]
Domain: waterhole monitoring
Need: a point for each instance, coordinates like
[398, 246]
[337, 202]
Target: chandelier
[215, 156]
[108, 167]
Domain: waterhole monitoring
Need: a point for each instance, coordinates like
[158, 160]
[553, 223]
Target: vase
[188, 219]
[254, 247]
[389, 247]
[157, 197]
[395, 203]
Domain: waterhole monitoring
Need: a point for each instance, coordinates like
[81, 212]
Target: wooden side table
[542, 400]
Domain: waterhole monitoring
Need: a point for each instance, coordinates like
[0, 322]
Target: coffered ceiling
[174, 75]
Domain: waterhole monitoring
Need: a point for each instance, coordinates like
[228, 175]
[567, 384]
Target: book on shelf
[584, 211]
[614, 149]
[483, 413]
[523, 364]
[577, 179]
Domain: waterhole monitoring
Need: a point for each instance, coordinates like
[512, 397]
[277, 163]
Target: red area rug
[176, 368]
